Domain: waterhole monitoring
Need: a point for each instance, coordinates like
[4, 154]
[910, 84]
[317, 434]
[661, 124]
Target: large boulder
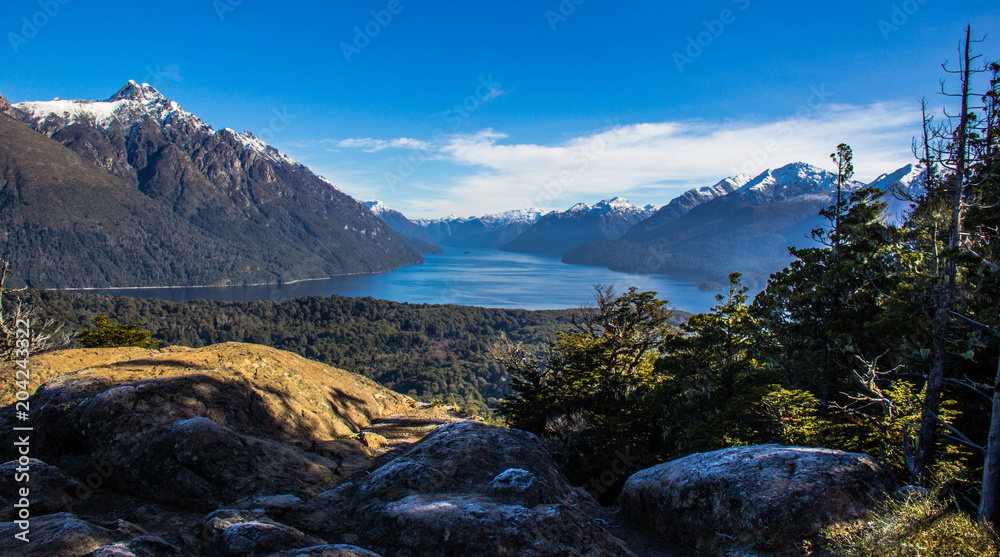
[201, 428]
[468, 457]
[767, 497]
[465, 489]
[454, 524]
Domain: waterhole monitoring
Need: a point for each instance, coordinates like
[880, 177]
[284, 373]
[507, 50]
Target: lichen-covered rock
[466, 457]
[512, 481]
[769, 497]
[465, 489]
[277, 503]
[143, 546]
[432, 525]
[197, 463]
[67, 535]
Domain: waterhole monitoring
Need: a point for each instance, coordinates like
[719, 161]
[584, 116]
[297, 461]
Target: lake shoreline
[475, 277]
[254, 284]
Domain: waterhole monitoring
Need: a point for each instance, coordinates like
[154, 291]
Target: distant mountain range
[135, 191]
[415, 235]
[739, 224]
[488, 231]
[556, 233]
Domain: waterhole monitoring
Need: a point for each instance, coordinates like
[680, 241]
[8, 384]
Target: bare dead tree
[956, 159]
[36, 337]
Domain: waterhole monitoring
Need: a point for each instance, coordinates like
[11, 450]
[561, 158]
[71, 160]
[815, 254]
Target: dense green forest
[426, 351]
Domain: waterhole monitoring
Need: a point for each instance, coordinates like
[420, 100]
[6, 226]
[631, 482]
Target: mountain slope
[232, 187]
[415, 235]
[746, 230]
[556, 233]
[65, 222]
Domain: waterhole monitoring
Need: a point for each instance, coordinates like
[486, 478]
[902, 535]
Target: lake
[465, 276]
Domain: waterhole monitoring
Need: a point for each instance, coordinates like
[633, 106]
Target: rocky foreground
[243, 450]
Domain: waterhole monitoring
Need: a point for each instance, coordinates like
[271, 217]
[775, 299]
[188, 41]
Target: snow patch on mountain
[250, 141]
[529, 216]
[507, 217]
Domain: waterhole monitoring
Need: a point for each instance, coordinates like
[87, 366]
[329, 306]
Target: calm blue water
[466, 276]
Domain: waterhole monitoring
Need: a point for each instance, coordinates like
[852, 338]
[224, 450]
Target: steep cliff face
[231, 186]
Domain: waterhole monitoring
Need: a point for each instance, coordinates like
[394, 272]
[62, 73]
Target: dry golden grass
[916, 527]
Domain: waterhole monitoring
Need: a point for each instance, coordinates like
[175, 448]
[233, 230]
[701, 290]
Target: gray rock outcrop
[465, 489]
[768, 497]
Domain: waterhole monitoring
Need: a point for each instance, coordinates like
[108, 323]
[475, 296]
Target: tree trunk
[945, 291]
[991, 467]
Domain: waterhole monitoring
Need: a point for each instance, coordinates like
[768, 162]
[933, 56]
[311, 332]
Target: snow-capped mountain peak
[615, 203]
[901, 188]
[144, 93]
[791, 180]
[377, 206]
[605, 206]
[130, 105]
[499, 219]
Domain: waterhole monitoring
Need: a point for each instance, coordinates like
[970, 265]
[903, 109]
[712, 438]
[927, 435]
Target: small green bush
[111, 335]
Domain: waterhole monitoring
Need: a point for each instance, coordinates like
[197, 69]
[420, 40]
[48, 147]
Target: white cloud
[651, 162]
[370, 145]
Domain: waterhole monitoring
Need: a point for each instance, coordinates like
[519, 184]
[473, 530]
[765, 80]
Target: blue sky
[476, 107]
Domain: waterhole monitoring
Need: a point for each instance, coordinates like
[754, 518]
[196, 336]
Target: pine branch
[957, 436]
[977, 324]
